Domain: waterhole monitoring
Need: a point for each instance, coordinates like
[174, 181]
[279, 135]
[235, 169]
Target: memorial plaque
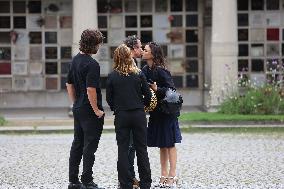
[5, 53]
[66, 22]
[161, 5]
[258, 80]
[36, 53]
[20, 53]
[161, 21]
[51, 52]
[36, 83]
[130, 5]
[257, 19]
[115, 21]
[146, 21]
[20, 83]
[176, 51]
[257, 50]
[19, 68]
[272, 50]
[257, 35]
[50, 22]
[34, 22]
[51, 68]
[273, 19]
[5, 84]
[35, 68]
[5, 37]
[192, 81]
[176, 66]
[145, 5]
[35, 37]
[116, 36]
[191, 66]
[160, 35]
[66, 37]
[50, 37]
[257, 65]
[51, 83]
[66, 53]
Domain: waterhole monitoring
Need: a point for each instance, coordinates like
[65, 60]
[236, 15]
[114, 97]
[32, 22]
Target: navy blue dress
[163, 129]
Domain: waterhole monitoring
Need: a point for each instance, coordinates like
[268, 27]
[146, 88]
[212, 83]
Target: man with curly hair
[83, 86]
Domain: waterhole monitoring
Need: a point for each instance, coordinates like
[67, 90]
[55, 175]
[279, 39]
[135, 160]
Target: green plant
[268, 99]
[2, 121]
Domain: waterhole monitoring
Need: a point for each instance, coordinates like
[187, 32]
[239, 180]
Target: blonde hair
[123, 61]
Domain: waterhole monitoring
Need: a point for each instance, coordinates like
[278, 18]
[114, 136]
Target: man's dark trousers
[87, 132]
[131, 156]
[125, 121]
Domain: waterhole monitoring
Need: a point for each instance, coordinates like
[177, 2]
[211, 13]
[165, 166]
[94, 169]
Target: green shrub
[2, 121]
[268, 99]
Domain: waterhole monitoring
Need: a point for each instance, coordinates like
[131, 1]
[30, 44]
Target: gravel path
[205, 160]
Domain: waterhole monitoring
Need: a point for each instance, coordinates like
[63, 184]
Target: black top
[126, 92]
[84, 72]
[162, 77]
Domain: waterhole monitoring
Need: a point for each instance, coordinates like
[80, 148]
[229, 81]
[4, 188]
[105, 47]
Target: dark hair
[131, 41]
[158, 55]
[90, 39]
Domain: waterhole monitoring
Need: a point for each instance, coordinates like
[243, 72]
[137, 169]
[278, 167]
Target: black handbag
[172, 102]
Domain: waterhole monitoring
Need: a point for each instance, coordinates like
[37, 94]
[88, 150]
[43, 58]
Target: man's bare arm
[92, 96]
[71, 92]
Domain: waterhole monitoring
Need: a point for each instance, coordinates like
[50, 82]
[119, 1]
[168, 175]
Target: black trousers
[131, 156]
[125, 121]
[87, 132]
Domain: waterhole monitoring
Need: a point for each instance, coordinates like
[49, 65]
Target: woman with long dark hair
[163, 129]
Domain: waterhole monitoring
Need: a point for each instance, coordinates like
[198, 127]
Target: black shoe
[74, 185]
[90, 185]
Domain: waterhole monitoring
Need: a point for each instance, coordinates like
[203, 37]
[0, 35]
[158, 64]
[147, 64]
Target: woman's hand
[154, 86]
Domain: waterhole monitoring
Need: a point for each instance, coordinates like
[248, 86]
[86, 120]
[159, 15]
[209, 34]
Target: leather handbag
[172, 102]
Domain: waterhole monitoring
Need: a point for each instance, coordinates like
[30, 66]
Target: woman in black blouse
[126, 86]
[163, 129]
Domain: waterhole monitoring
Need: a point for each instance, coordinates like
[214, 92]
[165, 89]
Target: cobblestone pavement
[205, 160]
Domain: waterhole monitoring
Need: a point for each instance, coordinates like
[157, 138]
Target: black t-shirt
[84, 72]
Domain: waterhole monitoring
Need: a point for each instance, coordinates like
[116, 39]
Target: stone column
[224, 50]
[84, 17]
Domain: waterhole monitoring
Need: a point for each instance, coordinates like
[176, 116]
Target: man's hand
[99, 113]
[154, 86]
